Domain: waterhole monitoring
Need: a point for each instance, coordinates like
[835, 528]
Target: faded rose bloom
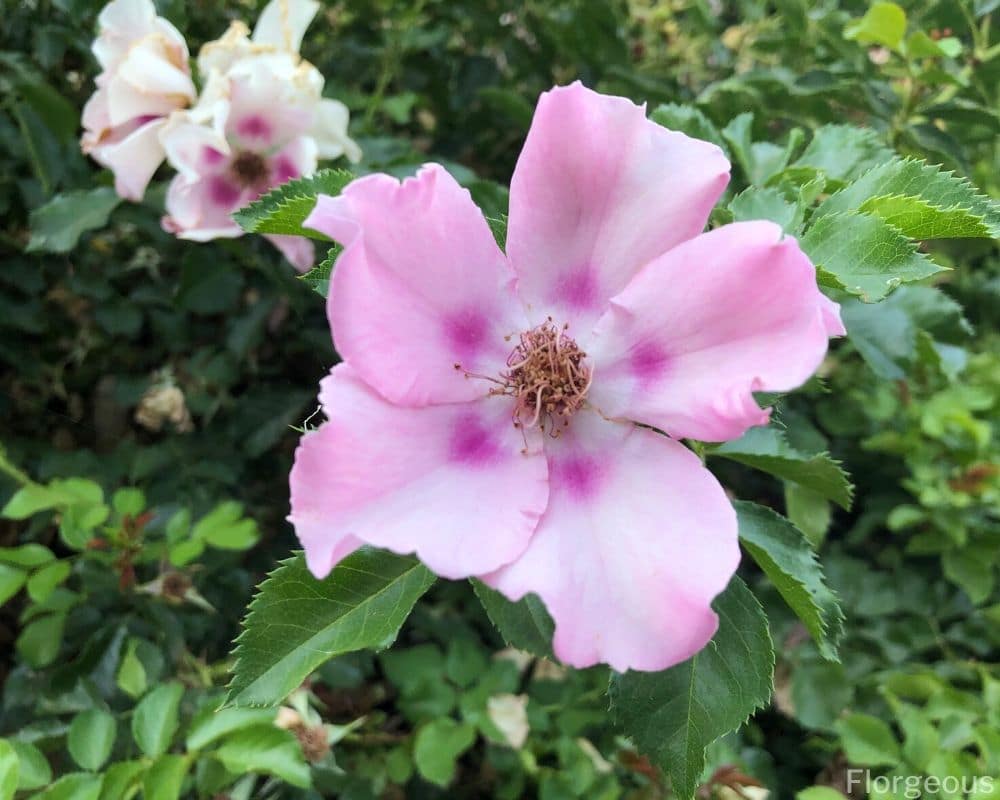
[260, 122]
[145, 76]
[497, 413]
[161, 404]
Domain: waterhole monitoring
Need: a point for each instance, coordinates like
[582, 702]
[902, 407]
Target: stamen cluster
[547, 377]
[250, 169]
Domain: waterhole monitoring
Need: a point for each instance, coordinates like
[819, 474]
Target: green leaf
[843, 152]
[864, 255]
[131, 677]
[943, 191]
[918, 219]
[883, 23]
[9, 769]
[33, 768]
[674, 715]
[57, 226]
[211, 724]
[284, 209]
[972, 571]
[525, 624]
[808, 511]
[868, 741]
[155, 719]
[91, 737]
[28, 500]
[128, 501]
[40, 639]
[819, 793]
[27, 555]
[498, 227]
[782, 552]
[11, 581]
[767, 203]
[121, 779]
[767, 449]
[318, 278]
[165, 778]
[689, 120]
[297, 622]
[224, 527]
[265, 748]
[74, 786]
[438, 746]
[44, 580]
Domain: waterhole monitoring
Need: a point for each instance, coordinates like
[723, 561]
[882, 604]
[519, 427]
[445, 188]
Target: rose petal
[299, 251]
[134, 159]
[598, 192]
[448, 482]
[200, 210]
[330, 132]
[637, 540]
[726, 314]
[283, 23]
[420, 286]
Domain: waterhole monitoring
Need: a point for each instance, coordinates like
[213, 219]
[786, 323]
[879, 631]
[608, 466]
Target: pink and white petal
[330, 131]
[273, 100]
[283, 23]
[448, 482]
[420, 286]
[731, 312]
[637, 540]
[148, 84]
[200, 210]
[297, 158]
[599, 190]
[193, 149]
[120, 24]
[299, 250]
[134, 159]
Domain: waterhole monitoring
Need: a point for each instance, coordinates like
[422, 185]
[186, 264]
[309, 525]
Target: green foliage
[675, 714]
[296, 623]
[57, 226]
[284, 209]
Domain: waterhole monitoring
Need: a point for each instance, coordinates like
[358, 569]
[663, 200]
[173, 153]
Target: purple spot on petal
[648, 362]
[283, 170]
[472, 444]
[466, 332]
[254, 126]
[578, 288]
[223, 193]
[211, 157]
[579, 476]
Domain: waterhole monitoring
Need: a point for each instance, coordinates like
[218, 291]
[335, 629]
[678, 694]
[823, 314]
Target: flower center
[249, 169]
[546, 375]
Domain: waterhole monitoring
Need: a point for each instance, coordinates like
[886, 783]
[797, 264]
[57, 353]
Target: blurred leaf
[40, 639]
[864, 255]
[972, 570]
[131, 677]
[808, 511]
[789, 562]
[74, 786]
[33, 768]
[155, 719]
[437, 747]
[91, 737]
[9, 769]
[44, 580]
[11, 581]
[361, 604]
[673, 715]
[225, 527]
[868, 741]
[165, 777]
[121, 780]
[843, 152]
[883, 23]
[284, 209]
[767, 449]
[265, 748]
[212, 724]
[525, 624]
[57, 226]
[767, 203]
[27, 555]
[689, 120]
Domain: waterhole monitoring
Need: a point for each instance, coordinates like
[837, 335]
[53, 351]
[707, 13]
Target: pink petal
[448, 482]
[297, 249]
[420, 286]
[731, 312]
[599, 191]
[637, 540]
[148, 83]
[200, 210]
[134, 159]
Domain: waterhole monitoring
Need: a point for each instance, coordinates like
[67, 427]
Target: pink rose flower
[494, 412]
[145, 76]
